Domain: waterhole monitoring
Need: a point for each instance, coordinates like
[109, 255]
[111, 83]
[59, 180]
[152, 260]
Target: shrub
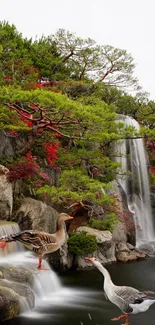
[107, 224]
[82, 244]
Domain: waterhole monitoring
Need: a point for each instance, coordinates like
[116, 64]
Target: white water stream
[134, 181]
[49, 292]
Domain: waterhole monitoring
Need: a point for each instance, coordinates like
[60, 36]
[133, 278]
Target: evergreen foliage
[70, 122]
[107, 224]
[82, 244]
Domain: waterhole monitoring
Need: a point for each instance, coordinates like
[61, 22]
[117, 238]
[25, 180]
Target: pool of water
[81, 301]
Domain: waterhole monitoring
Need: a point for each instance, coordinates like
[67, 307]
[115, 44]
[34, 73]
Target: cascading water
[9, 228]
[49, 292]
[131, 155]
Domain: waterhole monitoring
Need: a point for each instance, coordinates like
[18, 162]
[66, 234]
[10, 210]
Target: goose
[40, 242]
[128, 299]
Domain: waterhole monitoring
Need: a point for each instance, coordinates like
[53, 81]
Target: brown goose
[128, 299]
[40, 242]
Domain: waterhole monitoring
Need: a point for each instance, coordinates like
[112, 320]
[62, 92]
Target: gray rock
[20, 274]
[9, 303]
[127, 252]
[102, 236]
[36, 215]
[6, 147]
[6, 195]
[105, 252]
[119, 233]
[22, 290]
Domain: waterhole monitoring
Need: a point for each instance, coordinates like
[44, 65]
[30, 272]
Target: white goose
[128, 299]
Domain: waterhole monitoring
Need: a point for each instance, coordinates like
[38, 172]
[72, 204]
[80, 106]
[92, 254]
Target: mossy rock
[19, 274]
[9, 303]
[23, 290]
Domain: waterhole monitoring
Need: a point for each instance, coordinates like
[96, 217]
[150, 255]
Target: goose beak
[69, 218]
[90, 259]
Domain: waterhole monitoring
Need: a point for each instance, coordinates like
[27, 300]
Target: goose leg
[40, 264]
[121, 317]
[2, 244]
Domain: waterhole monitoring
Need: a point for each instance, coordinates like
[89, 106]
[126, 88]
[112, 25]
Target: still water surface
[82, 302]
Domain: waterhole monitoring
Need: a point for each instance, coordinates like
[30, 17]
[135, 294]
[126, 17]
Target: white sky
[127, 24]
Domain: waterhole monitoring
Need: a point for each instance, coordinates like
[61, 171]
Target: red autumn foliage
[23, 169]
[126, 216]
[152, 169]
[51, 151]
[13, 133]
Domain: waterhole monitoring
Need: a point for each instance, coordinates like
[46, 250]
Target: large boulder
[36, 215]
[6, 195]
[23, 290]
[16, 293]
[9, 303]
[105, 252]
[20, 274]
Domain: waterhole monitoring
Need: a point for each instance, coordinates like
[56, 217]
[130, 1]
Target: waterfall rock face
[6, 195]
[36, 215]
[6, 147]
[153, 203]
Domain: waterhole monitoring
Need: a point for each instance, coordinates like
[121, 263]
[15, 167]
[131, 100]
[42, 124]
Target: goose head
[64, 217]
[93, 260]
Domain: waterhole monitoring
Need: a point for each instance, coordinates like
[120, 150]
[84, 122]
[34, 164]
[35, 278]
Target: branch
[67, 56]
[106, 74]
[62, 134]
[146, 114]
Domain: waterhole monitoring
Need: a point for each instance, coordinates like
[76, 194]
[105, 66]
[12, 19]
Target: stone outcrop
[119, 233]
[15, 291]
[126, 252]
[105, 252]
[6, 147]
[36, 215]
[6, 195]
[9, 303]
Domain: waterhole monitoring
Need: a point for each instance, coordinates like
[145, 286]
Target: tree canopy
[61, 96]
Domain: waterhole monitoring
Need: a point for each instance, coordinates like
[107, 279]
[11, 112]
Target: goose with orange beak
[40, 242]
[128, 299]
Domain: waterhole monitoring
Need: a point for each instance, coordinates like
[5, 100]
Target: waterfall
[48, 290]
[135, 183]
[9, 228]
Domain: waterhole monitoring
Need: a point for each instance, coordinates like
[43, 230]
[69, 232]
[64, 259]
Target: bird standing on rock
[40, 242]
[128, 299]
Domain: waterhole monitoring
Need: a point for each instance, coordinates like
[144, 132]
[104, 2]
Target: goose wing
[126, 297]
[36, 239]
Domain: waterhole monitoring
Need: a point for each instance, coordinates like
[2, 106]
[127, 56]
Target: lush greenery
[60, 97]
[82, 244]
[106, 224]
